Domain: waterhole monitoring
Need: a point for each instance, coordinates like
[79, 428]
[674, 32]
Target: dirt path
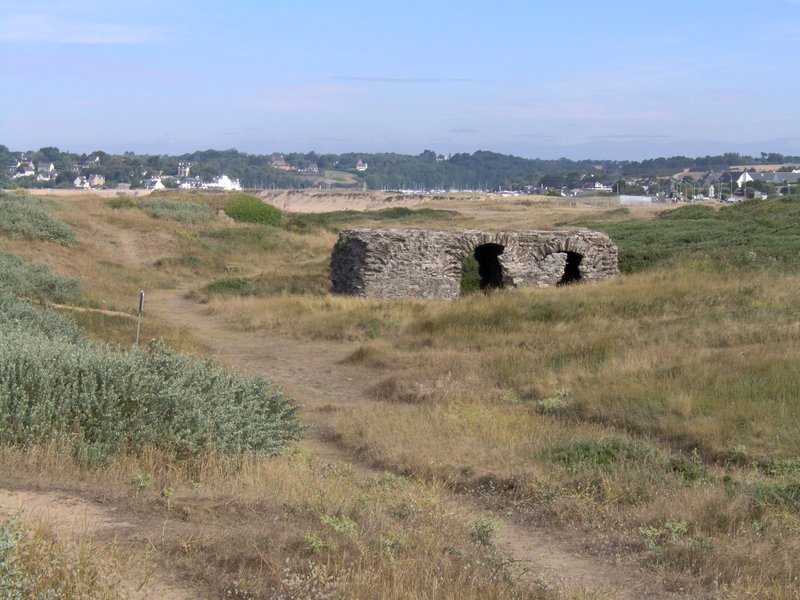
[74, 519]
[313, 372]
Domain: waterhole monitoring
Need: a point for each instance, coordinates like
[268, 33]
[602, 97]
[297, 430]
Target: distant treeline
[427, 170]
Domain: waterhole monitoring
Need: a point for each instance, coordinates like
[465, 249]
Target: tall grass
[35, 564]
[182, 211]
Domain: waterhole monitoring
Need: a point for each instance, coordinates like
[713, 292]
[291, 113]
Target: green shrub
[245, 208]
[241, 286]
[771, 494]
[470, 278]
[20, 277]
[121, 202]
[25, 217]
[185, 260]
[55, 386]
[484, 528]
[602, 452]
[16, 313]
[183, 211]
[101, 403]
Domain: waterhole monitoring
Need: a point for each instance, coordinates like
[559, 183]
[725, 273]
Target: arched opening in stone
[572, 270]
[489, 268]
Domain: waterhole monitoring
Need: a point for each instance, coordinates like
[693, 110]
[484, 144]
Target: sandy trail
[75, 518]
[313, 373]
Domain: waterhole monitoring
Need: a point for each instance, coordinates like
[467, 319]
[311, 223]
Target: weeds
[34, 564]
[484, 529]
[182, 211]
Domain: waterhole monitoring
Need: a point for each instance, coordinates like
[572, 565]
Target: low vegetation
[303, 222]
[34, 563]
[656, 413]
[27, 217]
[746, 234]
[245, 208]
[183, 211]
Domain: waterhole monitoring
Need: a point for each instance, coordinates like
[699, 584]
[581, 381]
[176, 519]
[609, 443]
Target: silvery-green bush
[56, 386]
[102, 403]
[32, 280]
[24, 216]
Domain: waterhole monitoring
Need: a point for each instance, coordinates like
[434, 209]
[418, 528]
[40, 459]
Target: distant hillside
[481, 170]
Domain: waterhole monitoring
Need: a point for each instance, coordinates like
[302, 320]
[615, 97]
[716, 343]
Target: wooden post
[139, 316]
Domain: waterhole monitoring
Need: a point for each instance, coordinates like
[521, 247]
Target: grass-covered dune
[752, 233]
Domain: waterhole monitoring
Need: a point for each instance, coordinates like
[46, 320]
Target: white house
[191, 183]
[745, 177]
[223, 182]
[154, 183]
[96, 180]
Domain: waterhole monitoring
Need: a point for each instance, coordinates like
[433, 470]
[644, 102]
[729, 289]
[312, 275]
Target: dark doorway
[489, 269]
[572, 270]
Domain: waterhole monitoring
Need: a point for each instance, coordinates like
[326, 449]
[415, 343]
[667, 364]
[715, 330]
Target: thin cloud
[630, 137]
[408, 79]
[462, 130]
[53, 28]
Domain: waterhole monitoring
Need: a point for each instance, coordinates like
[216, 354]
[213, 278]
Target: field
[633, 438]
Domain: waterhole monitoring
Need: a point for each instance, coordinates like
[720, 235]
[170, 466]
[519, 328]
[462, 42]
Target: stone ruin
[414, 263]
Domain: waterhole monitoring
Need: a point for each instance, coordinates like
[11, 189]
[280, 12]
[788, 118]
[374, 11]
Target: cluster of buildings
[46, 172]
[278, 162]
[725, 185]
[24, 167]
[311, 168]
[185, 181]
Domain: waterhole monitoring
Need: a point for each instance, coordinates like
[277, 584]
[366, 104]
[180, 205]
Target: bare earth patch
[75, 518]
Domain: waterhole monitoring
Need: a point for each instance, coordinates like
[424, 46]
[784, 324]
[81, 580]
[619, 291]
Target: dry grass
[658, 411]
[295, 526]
[485, 391]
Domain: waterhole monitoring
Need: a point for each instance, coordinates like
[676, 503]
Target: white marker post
[139, 316]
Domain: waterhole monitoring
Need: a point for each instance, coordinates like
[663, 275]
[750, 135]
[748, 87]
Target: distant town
[728, 177]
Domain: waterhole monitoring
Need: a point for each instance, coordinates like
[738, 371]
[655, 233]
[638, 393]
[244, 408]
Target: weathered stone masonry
[412, 263]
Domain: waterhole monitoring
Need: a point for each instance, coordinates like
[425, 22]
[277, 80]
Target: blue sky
[548, 78]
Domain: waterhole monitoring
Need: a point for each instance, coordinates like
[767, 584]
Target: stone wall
[413, 263]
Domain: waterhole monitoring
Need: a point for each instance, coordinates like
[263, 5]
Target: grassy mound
[245, 208]
[754, 233]
[36, 281]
